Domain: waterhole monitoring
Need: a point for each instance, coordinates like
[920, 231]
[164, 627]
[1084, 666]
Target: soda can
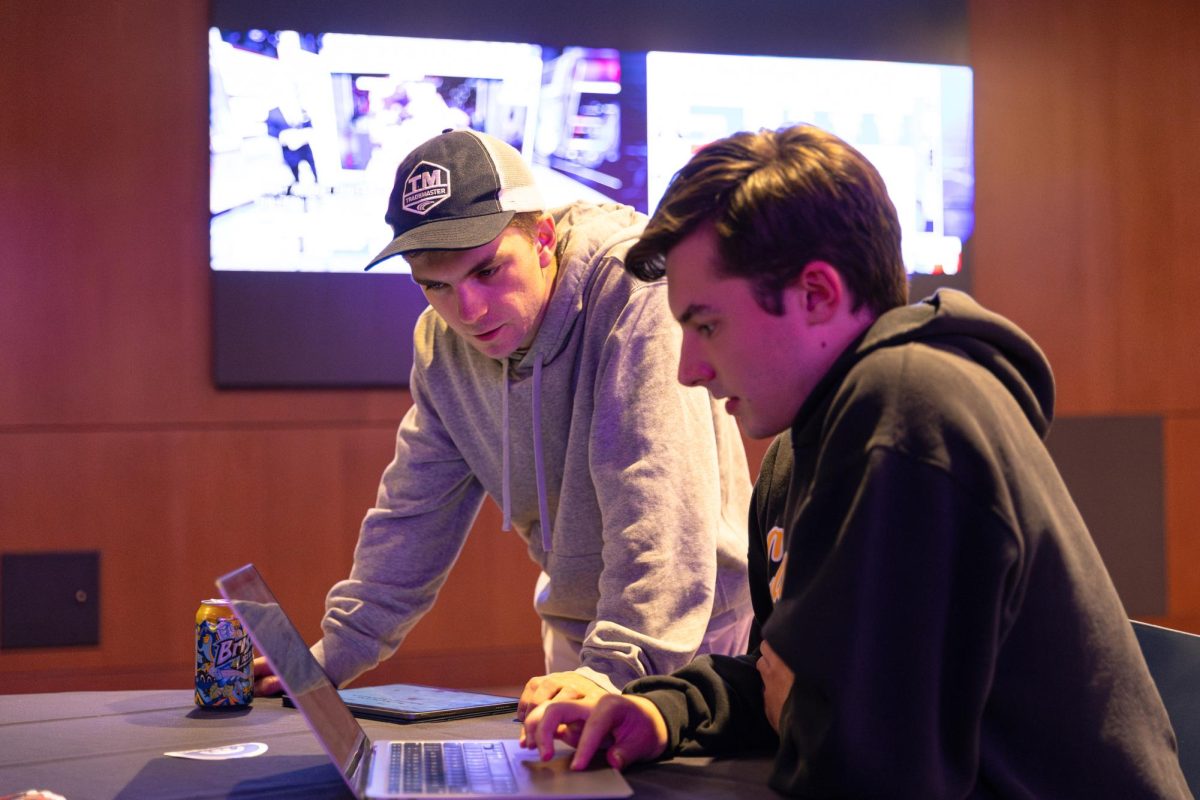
[224, 658]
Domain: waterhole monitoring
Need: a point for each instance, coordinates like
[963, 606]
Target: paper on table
[243, 750]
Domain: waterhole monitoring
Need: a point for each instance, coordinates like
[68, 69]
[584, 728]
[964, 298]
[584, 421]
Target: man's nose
[471, 304]
[693, 370]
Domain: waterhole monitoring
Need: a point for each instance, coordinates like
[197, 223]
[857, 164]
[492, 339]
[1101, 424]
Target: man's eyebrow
[482, 264]
[693, 310]
[492, 260]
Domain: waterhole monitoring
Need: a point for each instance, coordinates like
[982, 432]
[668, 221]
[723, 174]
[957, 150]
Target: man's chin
[494, 349]
[754, 428]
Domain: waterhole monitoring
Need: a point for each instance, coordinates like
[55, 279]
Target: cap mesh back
[514, 172]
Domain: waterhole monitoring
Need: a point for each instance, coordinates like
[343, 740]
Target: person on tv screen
[932, 618]
[544, 376]
[290, 124]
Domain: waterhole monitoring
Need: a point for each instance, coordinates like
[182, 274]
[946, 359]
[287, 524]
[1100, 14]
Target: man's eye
[487, 273]
[433, 287]
[706, 329]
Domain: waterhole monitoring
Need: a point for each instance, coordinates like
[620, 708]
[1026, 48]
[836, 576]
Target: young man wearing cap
[544, 376]
[935, 620]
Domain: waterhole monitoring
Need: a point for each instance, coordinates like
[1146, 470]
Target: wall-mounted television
[307, 128]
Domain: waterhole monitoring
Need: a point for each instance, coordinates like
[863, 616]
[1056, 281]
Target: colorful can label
[224, 658]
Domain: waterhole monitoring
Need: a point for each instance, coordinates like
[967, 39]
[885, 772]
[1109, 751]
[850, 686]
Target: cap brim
[447, 234]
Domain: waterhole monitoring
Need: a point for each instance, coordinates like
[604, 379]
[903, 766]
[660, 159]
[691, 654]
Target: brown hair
[779, 200]
[526, 223]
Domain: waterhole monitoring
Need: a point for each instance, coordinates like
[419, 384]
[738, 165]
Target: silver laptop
[399, 768]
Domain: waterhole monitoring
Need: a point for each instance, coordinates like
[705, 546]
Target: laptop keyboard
[450, 768]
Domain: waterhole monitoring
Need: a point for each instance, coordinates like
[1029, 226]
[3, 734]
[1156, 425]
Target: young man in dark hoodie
[932, 618]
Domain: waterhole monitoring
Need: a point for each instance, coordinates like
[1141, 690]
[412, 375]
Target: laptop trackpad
[555, 778]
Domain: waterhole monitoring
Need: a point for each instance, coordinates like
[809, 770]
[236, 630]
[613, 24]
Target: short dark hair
[526, 223]
[777, 201]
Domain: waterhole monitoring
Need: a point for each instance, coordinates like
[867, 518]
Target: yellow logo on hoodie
[777, 555]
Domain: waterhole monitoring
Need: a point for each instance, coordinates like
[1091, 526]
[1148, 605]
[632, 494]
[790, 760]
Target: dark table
[99, 745]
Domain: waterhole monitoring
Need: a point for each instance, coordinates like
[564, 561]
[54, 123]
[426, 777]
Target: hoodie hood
[951, 320]
[587, 234]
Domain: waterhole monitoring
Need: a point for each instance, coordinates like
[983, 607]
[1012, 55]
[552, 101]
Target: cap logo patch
[425, 187]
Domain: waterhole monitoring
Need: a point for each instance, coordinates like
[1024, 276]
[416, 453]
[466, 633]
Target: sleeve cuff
[599, 678]
[673, 706]
[339, 678]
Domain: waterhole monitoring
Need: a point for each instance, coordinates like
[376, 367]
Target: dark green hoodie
[952, 629]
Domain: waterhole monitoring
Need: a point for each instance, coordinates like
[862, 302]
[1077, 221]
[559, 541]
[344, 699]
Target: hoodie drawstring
[505, 491]
[538, 464]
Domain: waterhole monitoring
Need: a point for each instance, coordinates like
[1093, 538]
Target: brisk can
[224, 658]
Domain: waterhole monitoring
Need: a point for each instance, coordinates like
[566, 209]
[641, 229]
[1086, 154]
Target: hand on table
[777, 681]
[630, 727]
[265, 682]
[557, 686]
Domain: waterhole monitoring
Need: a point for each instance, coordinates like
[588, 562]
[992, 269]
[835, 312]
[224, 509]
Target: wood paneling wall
[112, 436]
[1181, 437]
[1088, 219]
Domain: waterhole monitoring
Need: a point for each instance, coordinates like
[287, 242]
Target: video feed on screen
[592, 121]
[912, 121]
[306, 132]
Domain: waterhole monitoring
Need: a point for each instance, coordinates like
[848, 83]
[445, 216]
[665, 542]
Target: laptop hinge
[357, 768]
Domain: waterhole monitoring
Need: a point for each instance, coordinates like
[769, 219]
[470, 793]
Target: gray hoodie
[629, 490]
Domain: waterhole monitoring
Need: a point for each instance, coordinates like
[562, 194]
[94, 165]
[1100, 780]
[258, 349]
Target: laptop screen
[306, 684]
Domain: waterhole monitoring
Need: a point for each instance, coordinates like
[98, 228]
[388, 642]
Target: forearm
[648, 621]
[667, 547]
[365, 624]
[673, 552]
[425, 505]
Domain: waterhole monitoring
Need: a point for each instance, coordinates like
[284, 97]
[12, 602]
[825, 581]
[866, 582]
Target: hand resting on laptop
[557, 686]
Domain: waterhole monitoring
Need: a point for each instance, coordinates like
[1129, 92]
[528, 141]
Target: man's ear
[819, 292]
[545, 238]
